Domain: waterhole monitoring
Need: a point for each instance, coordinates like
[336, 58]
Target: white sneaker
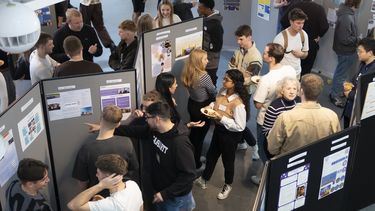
[255, 155]
[202, 159]
[255, 179]
[224, 192]
[201, 183]
[242, 146]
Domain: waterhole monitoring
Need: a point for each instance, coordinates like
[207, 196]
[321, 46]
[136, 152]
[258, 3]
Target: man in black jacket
[315, 26]
[212, 35]
[173, 169]
[74, 26]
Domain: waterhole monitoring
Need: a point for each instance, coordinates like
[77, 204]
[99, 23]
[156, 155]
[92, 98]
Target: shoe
[255, 179]
[337, 101]
[255, 155]
[201, 183]
[242, 146]
[224, 193]
[202, 159]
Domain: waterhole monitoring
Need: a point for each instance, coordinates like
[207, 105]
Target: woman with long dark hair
[166, 85]
[230, 112]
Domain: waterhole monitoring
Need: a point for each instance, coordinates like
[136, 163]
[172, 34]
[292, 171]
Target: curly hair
[237, 77]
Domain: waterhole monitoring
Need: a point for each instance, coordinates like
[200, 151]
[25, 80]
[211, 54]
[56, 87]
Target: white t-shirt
[129, 199]
[294, 42]
[41, 68]
[265, 92]
[166, 22]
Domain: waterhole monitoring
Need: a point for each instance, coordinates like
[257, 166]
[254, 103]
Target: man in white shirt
[124, 195]
[294, 40]
[42, 65]
[266, 91]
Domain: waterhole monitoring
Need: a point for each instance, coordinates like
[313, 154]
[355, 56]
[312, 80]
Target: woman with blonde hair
[165, 15]
[202, 91]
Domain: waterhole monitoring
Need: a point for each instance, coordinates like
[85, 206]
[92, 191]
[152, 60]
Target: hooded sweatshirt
[213, 38]
[173, 165]
[346, 32]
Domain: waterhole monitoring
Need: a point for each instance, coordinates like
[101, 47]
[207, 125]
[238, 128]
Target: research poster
[293, 187]
[119, 95]
[161, 58]
[69, 104]
[31, 126]
[187, 43]
[369, 105]
[8, 157]
[44, 15]
[264, 9]
[232, 5]
[334, 172]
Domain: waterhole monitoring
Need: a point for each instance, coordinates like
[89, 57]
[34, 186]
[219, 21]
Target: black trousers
[197, 134]
[94, 14]
[224, 143]
[213, 75]
[308, 63]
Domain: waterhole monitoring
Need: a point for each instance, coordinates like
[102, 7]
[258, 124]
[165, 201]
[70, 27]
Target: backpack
[285, 36]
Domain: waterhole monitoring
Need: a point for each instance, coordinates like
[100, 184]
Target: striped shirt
[277, 107]
[203, 89]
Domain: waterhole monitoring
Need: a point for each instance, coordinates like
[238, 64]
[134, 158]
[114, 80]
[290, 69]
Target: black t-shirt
[84, 168]
[70, 68]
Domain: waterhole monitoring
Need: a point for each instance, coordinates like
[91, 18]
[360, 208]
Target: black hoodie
[173, 166]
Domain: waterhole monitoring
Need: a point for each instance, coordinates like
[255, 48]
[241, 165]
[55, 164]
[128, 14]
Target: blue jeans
[178, 203]
[344, 63]
[260, 141]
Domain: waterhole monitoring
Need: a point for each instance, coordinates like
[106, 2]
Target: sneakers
[224, 193]
[337, 101]
[255, 179]
[242, 146]
[201, 183]
[255, 155]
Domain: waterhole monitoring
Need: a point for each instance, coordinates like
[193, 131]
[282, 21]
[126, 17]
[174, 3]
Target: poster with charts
[31, 126]
[187, 43]
[293, 188]
[264, 9]
[161, 57]
[69, 104]
[333, 172]
[117, 94]
[8, 157]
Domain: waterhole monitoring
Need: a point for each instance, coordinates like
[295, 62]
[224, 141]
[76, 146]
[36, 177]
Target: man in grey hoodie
[345, 45]
[212, 35]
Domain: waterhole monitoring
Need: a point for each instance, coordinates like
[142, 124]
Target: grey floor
[244, 192]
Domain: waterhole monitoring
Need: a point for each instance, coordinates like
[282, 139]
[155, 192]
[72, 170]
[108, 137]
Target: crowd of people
[286, 98]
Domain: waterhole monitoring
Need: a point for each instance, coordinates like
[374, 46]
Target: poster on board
[232, 5]
[31, 126]
[187, 43]
[119, 95]
[293, 188]
[44, 15]
[69, 104]
[369, 105]
[333, 172]
[161, 58]
[264, 9]
[8, 157]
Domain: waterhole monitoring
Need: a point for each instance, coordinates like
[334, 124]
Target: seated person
[23, 194]
[124, 55]
[84, 168]
[124, 196]
[76, 65]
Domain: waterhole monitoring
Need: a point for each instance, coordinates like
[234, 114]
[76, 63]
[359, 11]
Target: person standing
[344, 44]
[212, 35]
[165, 15]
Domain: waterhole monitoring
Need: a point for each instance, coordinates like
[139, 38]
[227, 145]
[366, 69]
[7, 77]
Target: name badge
[222, 107]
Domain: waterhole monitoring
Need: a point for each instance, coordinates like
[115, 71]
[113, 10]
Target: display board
[314, 177]
[23, 135]
[70, 103]
[260, 200]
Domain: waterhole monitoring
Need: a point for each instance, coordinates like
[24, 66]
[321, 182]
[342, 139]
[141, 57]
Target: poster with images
[8, 157]
[369, 105]
[187, 43]
[333, 172]
[232, 5]
[31, 126]
[117, 94]
[161, 57]
[69, 104]
[264, 9]
[293, 187]
[44, 15]
[373, 6]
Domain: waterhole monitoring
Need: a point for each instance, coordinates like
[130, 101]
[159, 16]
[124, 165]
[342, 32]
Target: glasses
[227, 79]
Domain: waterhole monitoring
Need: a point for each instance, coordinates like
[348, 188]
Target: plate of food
[208, 112]
[255, 79]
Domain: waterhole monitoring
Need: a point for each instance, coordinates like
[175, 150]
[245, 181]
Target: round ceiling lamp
[20, 27]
